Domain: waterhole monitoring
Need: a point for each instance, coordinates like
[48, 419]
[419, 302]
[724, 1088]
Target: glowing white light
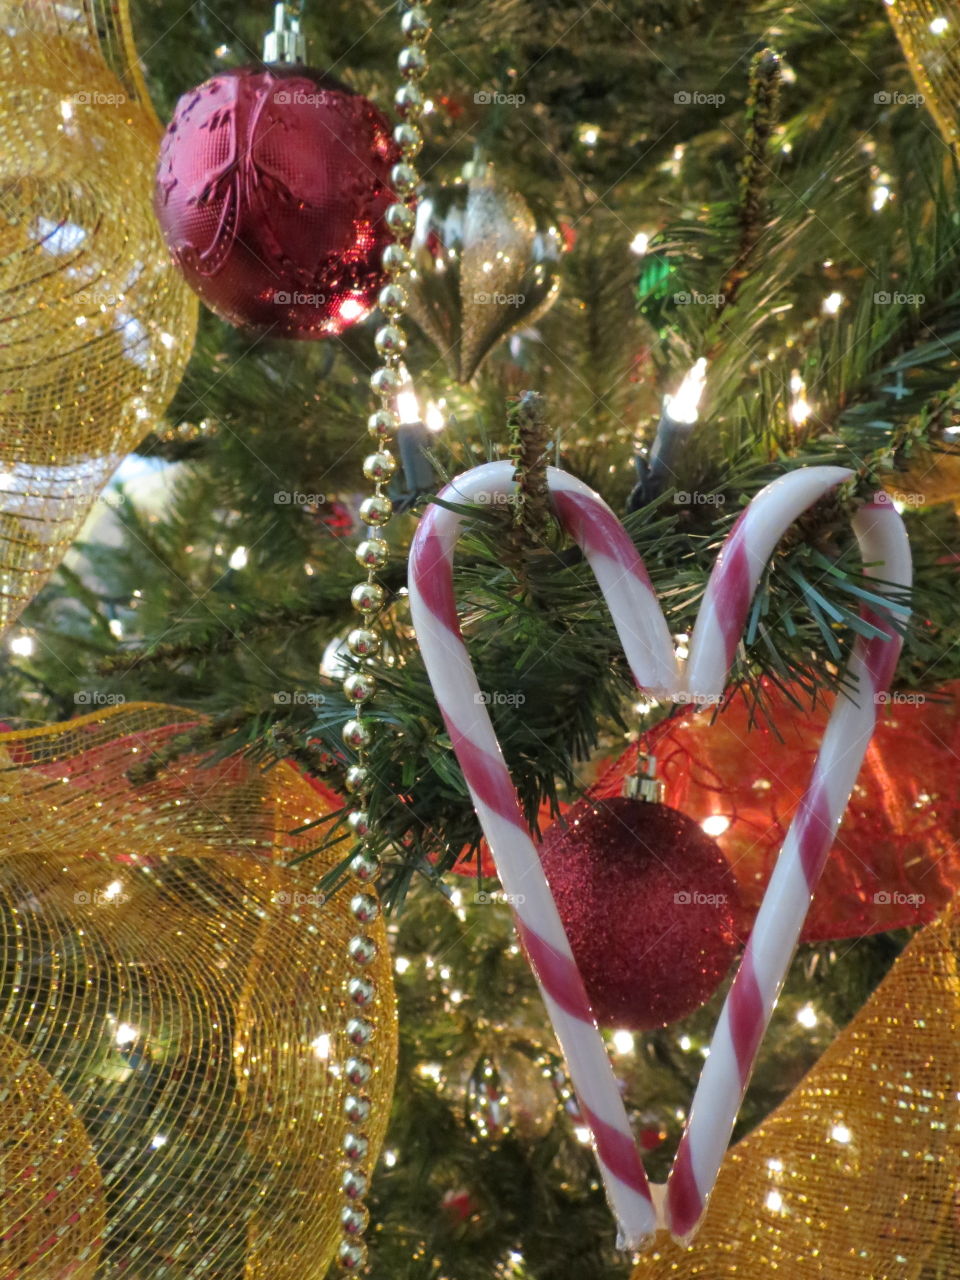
[221, 50]
[774, 1201]
[321, 1047]
[390, 1158]
[456, 897]
[938, 26]
[623, 1041]
[158, 1140]
[881, 194]
[430, 1071]
[684, 405]
[775, 1166]
[113, 890]
[800, 411]
[807, 1016]
[352, 309]
[168, 340]
[640, 243]
[434, 417]
[589, 135]
[582, 1134]
[832, 303]
[401, 964]
[840, 1133]
[685, 1043]
[115, 627]
[125, 1034]
[22, 646]
[58, 237]
[238, 559]
[66, 109]
[456, 997]
[6, 477]
[715, 825]
[787, 148]
[408, 406]
[899, 506]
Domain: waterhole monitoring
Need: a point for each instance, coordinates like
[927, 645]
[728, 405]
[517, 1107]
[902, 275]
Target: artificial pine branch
[278, 621]
[529, 439]
[762, 116]
[178, 443]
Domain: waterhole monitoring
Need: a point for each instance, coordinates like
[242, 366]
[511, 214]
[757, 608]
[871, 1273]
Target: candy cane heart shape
[649, 649]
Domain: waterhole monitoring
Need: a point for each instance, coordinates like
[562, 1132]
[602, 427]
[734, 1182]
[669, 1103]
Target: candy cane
[885, 552]
[645, 636]
[647, 640]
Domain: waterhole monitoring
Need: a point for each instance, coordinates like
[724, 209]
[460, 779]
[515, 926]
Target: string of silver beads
[364, 641]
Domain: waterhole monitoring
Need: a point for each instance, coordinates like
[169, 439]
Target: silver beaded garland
[365, 866]
[358, 820]
[363, 643]
[359, 1032]
[358, 1072]
[352, 1256]
[362, 950]
[354, 1183]
[361, 992]
[373, 553]
[365, 907]
[355, 1147]
[354, 1219]
[379, 466]
[360, 686]
[357, 1109]
[368, 599]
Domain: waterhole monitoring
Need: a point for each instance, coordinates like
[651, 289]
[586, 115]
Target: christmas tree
[677, 252]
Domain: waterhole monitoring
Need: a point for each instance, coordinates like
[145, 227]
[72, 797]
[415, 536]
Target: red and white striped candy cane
[650, 650]
[885, 552]
[646, 640]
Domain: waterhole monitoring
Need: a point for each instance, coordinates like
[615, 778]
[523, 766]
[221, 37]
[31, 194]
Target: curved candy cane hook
[647, 643]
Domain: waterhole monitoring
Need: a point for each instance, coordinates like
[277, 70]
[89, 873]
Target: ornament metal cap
[286, 42]
[644, 783]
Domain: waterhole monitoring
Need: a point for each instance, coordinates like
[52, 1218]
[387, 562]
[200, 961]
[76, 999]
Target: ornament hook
[286, 43]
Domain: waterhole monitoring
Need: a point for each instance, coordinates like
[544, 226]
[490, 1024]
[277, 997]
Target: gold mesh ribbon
[855, 1175]
[185, 993]
[96, 326]
[929, 34]
[52, 1203]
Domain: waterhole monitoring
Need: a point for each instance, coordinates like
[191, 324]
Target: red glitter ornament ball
[271, 191]
[649, 906]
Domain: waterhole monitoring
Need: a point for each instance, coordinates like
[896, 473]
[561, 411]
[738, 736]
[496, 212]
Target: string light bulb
[408, 406]
[800, 407]
[684, 405]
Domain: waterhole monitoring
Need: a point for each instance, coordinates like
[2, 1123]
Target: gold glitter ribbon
[855, 1175]
[96, 326]
[929, 34]
[178, 995]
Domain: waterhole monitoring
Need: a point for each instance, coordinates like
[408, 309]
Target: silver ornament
[483, 268]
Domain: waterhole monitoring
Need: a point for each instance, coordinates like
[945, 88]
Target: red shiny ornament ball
[649, 906]
[271, 191]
